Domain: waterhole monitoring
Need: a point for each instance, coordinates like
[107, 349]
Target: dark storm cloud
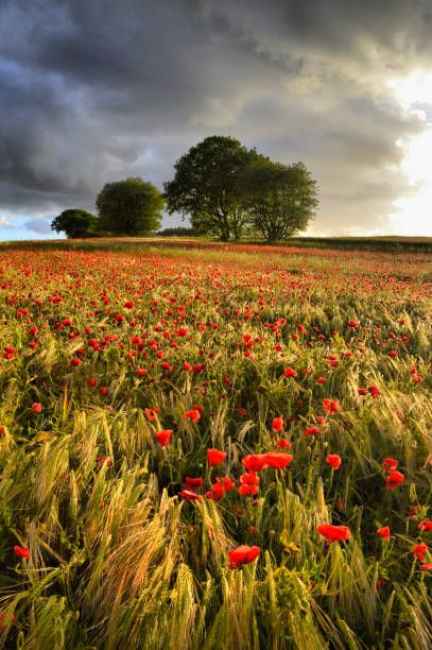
[95, 91]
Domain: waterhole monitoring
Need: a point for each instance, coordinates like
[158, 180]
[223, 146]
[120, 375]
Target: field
[210, 447]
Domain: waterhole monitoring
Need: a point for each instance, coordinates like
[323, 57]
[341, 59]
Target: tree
[206, 186]
[75, 223]
[280, 199]
[130, 207]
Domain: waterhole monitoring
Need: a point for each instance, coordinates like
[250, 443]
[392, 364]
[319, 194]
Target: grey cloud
[95, 91]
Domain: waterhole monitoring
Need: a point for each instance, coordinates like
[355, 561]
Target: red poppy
[37, 407]
[362, 391]
[390, 464]
[419, 551]
[193, 481]
[91, 382]
[426, 566]
[394, 479]
[140, 372]
[311, 431]
[151, 414]
[189, 495]
[249, 478]
[289, 372]
[425, 525]
[277, 459]
[215, 457]
[331, 406]
[22, 552]
[384, 533]
[334, 533]
[334, 460]
[193, 415]
[243, 555]
[353, 324]
[283, 443]
[278, 424]
[164, 437]
[75, 362]
[254, 462]
[217, 492]
[247, 490]
[374, 391]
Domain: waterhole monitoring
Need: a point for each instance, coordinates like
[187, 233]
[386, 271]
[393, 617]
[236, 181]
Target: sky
[95, 91]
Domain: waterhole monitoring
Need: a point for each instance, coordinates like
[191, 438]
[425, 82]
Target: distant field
[383, 243]
[210, 446]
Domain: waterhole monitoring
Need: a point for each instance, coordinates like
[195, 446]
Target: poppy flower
[334, 460]
[311, 431]
[227, 482]
[277, 459]
[193, 481]
[22, 552]
[247, 490]
[283, 443]
[215, 457]
[254, 462]
[217, 492]
[193, 415]
[103, 391]
[278, 424]
[75, 362]
[189, 495]
[425, 525]
[164, 437]
[92, 382]
[384, 533]
[390, 464]
[362, 391]
[37, 407]
[140, 372]
[243, 555]
[151, 414]
[249, 478]
[289, 372]
[334, 533]
[331, 406]
[419, 551]
[374, 391]
[353, 324]
[426, 566]
[394, 479]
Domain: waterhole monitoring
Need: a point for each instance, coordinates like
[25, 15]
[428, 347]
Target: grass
[118, 343]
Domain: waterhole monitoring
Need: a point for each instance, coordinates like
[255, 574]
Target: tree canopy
[226, 189]
[75, 223]
[206, 186]
[130, 207]
[280, 199]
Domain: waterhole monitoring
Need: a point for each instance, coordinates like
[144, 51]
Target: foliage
[130, 207]
[75, 223]
[178, 231]
[106, 543]
[206, 186]
[281, 199]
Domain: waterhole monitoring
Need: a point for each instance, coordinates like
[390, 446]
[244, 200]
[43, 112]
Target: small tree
[206, 186]
[130, 207]
[75, 223]
[281, 199]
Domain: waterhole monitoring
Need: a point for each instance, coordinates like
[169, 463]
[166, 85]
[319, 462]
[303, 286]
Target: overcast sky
[93, 91]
